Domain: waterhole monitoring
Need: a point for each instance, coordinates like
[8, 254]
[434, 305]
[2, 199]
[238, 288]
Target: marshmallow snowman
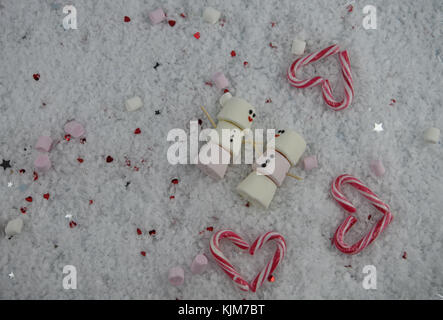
[225, 141]
[260, 185]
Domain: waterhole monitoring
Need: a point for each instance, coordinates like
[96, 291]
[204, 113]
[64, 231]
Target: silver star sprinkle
[9, 184]
[11, 275]
[378, 127]
[68, 216]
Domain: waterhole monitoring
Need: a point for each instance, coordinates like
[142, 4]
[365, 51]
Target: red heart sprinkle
[152, 233]
[245, 63]
[137, 131]
[91, 202]
[405, 255]
[80, 160]
[46, 196]
[271, 278]
[35, 175]
[72, 224]
[109, 159]
[172, 197]
[350, 8]
[225, 91]
[143, 253]
[272, 46]
[22, 171]
[127, 19]
[29, 199]
[233, 54]
[210, 228]
[174, 181]
[197, 35]
[36, 76]
[139, 232]
[23, 210]
[67, 137]
[182, 15]
[171, 23]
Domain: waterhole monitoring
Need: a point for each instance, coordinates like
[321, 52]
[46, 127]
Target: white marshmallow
[257, 189]
[133, 104]
[211, 15]
[298, 47]
[291, 145]
[230, 141]
[238, 112]
[14, 227]
[432, 135]
[225, 97]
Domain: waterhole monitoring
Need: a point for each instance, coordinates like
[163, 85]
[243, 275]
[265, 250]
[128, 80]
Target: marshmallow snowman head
[290, 144]
[237, 111]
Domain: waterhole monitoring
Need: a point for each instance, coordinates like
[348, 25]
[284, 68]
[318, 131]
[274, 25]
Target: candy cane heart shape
[347, 224]
[317, 80]
[229, 269]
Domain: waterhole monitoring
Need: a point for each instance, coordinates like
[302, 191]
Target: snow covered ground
[87, 74]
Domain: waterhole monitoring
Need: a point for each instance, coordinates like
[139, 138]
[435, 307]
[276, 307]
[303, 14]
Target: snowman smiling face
[251, 115]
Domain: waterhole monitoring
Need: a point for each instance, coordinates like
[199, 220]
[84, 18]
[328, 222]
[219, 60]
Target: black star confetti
[6, 164]
[157, 112]
[156, 65]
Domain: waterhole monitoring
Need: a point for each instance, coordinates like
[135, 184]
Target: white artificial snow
[88, 73]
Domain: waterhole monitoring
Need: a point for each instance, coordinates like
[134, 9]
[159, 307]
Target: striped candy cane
[351, 220]
[229, 269]
[326, 86]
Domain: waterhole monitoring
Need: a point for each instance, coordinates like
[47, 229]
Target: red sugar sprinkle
[35, 175]
[152, 233]
[273, 24]
[80, 160]
[67, 137]
[197, 35]
[226, 90]
[143, 253]
[208, 83]
[29, 199]
[72, 224]
[405, 255]
[22, 171]
[23, 210]
[91, 202]
[109, 159]
[210, 228]
[83, 140]
[350, 8]
[139, 232]
[245, 63]
[136, 168]
[182, 15]
[137, 131]
[172, 197]
[247, 204]
[174, 181]
[171, 23]
[272, 46]
[233, 54]
[127, 19]
[46, 196]
[268, 100]
[369, 217]
[36, 76]
[271, 278]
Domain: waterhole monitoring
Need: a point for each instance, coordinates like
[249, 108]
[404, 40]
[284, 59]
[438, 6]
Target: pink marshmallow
[176, 276]
[281, 167]
[214, 170]
[157, 16]
[199, 264]
[220, 80]
[43, 144]
[75, 129]
[310, 162]
[377, 167]
[42, 163]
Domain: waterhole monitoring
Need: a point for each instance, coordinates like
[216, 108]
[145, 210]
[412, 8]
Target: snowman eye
[253, 115]
[263, 165]
[250, 111]
[267, 160]
[283, 131]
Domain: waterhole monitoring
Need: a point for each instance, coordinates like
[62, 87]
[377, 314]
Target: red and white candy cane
[326, 86]
[229, 269]
[351, 220]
